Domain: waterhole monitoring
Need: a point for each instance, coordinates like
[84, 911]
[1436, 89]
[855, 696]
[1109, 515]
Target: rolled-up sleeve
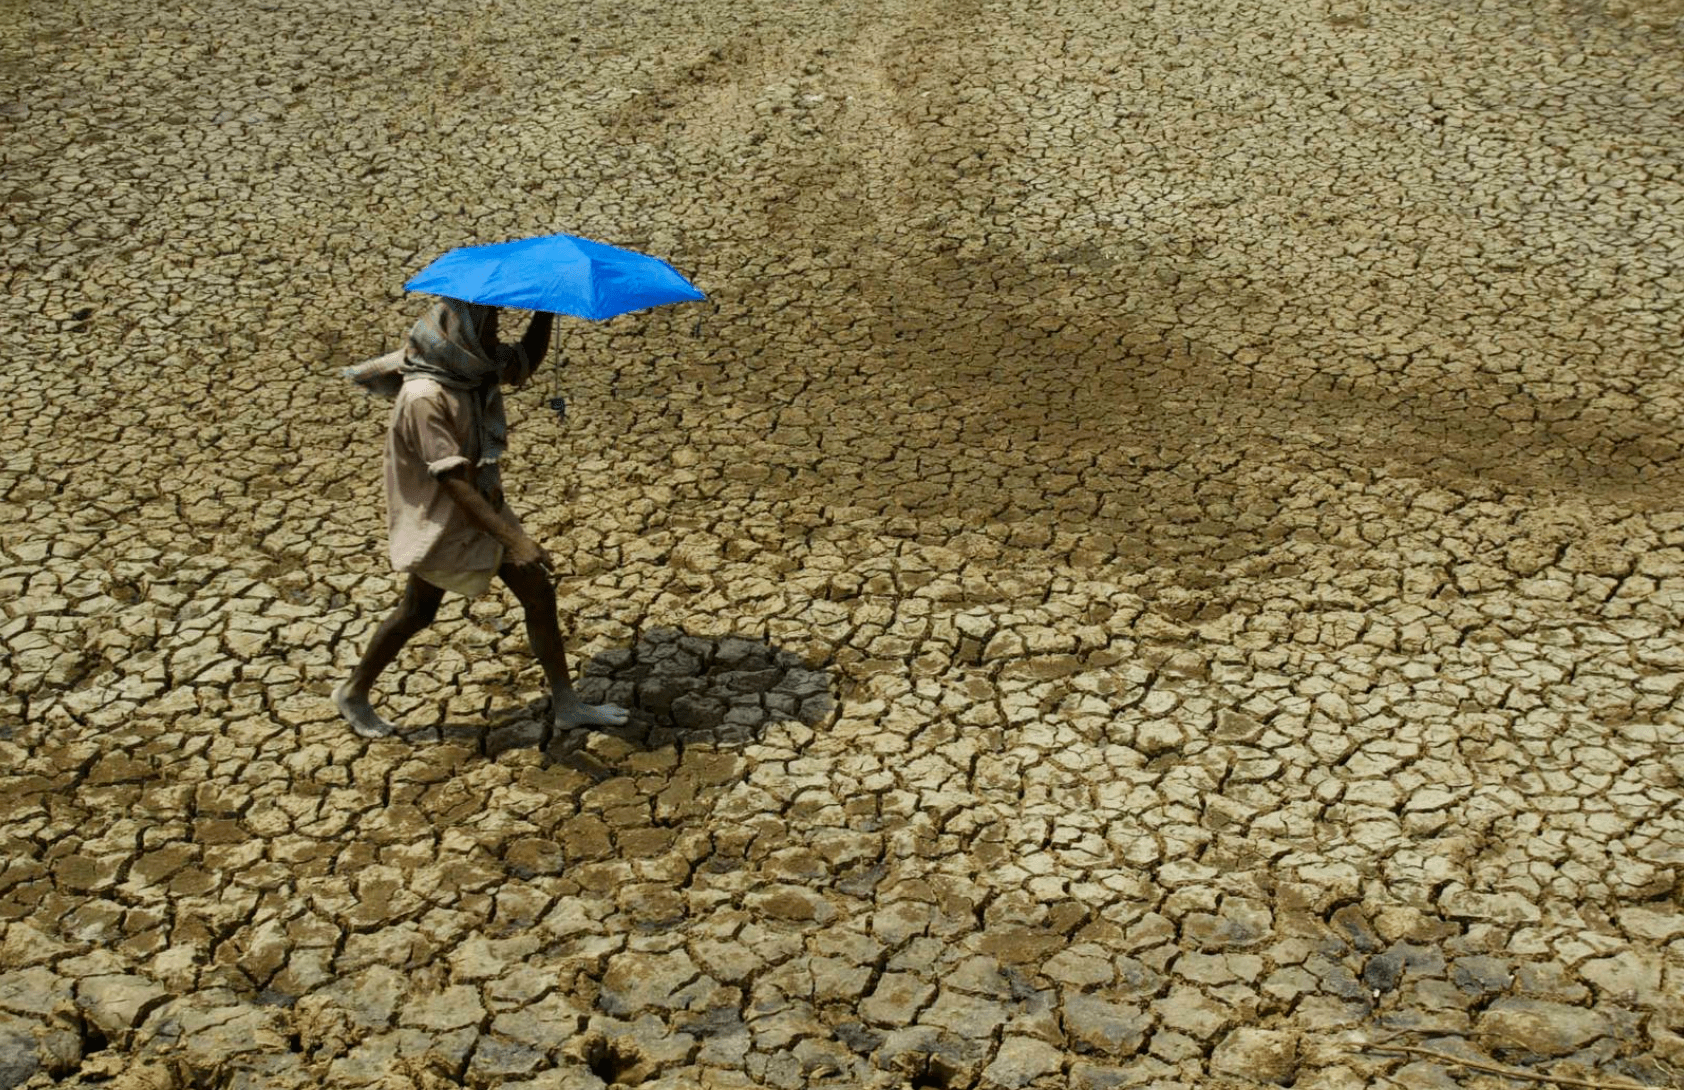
[423, 425]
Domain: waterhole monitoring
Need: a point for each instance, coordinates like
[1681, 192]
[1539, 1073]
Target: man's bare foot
[360, 713]
[567, 710]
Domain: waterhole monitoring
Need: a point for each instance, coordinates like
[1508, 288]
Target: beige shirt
[432, 433]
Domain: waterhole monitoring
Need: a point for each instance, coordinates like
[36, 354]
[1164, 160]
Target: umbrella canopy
[558, 273]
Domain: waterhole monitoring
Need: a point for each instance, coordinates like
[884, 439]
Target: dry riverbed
[1159, 564]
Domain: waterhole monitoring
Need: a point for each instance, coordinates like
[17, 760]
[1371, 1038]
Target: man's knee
[531, 584]
[425, 612]
[419, 607]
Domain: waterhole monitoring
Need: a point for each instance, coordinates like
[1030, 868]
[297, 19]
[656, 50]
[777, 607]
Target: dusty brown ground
[1160, 564]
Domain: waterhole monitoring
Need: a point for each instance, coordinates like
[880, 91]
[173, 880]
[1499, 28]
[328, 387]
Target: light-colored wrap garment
[447, 412]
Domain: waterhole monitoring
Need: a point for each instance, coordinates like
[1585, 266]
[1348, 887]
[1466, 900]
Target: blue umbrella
[558, 273]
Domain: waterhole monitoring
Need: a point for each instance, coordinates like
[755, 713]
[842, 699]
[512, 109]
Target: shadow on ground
[682, 690]
[721, 690]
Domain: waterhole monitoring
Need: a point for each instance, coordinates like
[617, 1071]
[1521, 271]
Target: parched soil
[1160, 562]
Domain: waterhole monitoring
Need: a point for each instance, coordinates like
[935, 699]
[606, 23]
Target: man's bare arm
[520, 549]
[536, 342]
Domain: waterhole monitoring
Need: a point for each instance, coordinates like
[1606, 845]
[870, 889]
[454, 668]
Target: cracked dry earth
[1160, 563]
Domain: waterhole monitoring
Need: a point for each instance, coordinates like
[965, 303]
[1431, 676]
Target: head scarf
[444, 345]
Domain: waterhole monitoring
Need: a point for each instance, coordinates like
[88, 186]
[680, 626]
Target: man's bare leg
[531, 584]
[415, 612]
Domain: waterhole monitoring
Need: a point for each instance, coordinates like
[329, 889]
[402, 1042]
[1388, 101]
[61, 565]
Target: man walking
[448, 525]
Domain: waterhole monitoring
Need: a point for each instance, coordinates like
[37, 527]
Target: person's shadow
[681, 690]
